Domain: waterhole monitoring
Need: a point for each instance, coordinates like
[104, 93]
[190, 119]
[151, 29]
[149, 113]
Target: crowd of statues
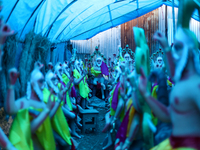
[153, 101]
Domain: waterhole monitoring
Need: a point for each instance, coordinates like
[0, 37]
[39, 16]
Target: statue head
[59, 70]
[66, 69]
[36, 84]
[127, 57]
[81, 64]
[159, 63]
[38, 65]
[78, 66]
[185, 49]
[99, 61]
[50, 66]
[52, 81]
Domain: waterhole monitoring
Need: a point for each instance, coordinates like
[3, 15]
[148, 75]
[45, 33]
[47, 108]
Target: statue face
[54, 80]
[78, 65]
[66, 68]
[37, 78]
[160, 60]
[40, 83]
[182, 44]
[50, 66]
[37, 83]
[127, 57]
[60, 71]
[185, 42]
[81, 64]
[99, 62]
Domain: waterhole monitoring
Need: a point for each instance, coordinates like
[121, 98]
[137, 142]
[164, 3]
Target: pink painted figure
[183, 111]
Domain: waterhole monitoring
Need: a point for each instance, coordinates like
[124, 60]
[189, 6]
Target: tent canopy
[62, 20]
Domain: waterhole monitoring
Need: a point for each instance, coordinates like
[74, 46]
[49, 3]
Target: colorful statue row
[132, 118]
[144, 92]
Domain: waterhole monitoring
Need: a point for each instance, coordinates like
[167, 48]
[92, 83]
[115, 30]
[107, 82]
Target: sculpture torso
[184, 112]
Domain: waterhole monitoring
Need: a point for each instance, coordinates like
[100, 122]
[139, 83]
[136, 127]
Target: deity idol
[66, 106]
[116, 114]
[100, 71]
[157, 60]
[31, 113]
[5, 31]
[183, 67]
[82, 89]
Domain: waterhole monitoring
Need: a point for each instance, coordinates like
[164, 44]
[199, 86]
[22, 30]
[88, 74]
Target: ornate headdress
[98, 55]
[157, 59]
[127, 50]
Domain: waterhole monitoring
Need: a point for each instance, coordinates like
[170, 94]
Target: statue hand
[13, 75]
[126, 145]
[5, 31]
[161, 39]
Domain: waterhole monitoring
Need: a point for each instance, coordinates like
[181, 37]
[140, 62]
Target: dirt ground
[4, 124]
[91, 140]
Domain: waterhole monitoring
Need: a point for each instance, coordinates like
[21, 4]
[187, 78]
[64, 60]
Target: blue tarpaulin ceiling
[62, 20]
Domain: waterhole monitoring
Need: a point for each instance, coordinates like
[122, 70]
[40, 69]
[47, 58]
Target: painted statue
[5, 31]
[116, 114]
[157, 61]
[66, 105]
[32, 114]
[183, 67]
[136, 129]
[82, 89]
[100, 71]
[70, 101]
